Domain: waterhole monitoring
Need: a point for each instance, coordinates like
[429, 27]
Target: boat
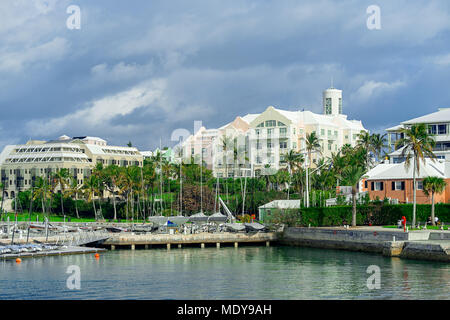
[178, 220]
[217, 217]
[198, 218]
[235, 227]
[254, 226]
[158, 220]
[116, 229]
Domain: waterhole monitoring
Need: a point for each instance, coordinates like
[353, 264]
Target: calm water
[225, 273]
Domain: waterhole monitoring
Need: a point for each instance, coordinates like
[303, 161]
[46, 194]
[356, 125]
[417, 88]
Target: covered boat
[217, 217]
[178, 220]
[255, 226]
[235, 227]
[198, 218]
[158, 220]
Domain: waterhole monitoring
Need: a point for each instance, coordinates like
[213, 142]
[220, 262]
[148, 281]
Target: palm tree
[61, 178]
[312, 145]
[417, 144]
[111, 178]
[432, 185]
[364, 141]
[41, 191]
[89, 187]
[294, 161]
[377, 144]
[226, 147]
[353, 174]
[74, 190]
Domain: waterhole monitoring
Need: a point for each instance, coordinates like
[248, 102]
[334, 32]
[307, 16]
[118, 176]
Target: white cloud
[100, 112]
[48, 52]
[371, 89]
[440, 60]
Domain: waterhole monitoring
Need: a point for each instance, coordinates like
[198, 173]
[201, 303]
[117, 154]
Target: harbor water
[252, 272]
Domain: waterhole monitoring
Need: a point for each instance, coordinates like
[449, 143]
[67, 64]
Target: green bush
[374, 214]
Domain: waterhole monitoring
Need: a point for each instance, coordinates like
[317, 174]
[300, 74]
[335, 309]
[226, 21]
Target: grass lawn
[52, 218]
[428, 227]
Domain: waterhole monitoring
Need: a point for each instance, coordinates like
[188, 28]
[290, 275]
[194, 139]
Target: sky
[138, 70]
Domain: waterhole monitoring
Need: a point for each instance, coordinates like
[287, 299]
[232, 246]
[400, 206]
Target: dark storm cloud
[138, 70]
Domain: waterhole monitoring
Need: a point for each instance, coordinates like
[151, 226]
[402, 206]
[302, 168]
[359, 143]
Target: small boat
[198, 218]
[217, 217]
[254, 226]
[116, 229]
[235, 227]
[158, 220]
[178, 220]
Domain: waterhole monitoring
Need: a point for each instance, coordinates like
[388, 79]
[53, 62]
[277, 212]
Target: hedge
[374, 214]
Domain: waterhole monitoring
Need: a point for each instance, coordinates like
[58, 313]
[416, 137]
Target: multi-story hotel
[250, 144]
[20, 164]
[438, 124]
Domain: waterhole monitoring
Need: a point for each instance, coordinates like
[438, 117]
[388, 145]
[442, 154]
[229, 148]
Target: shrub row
[375, 214]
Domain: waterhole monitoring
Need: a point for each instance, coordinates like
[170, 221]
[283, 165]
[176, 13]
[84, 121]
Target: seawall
[422, 245]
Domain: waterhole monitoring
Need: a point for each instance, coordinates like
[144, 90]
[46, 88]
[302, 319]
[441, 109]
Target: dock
[200, 240]
[57, 252]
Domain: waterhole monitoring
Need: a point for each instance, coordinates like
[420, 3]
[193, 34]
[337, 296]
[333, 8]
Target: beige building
[20, 164]
[261, 140]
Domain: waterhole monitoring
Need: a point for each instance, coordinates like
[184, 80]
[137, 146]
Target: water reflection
[225, 273]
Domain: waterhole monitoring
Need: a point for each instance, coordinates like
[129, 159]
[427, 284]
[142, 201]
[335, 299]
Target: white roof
[250, 117]
[389, 171]
[5, 153]
[282, 204]
[443, 115]
[396, 128]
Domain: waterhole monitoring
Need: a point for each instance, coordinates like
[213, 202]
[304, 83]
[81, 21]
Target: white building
[438, 124]
[261, 140]
[21, 164]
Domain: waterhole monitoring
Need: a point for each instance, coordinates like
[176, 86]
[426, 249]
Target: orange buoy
[97, 256]
[18, 260]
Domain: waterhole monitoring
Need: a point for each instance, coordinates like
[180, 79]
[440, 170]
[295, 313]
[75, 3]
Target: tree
[417, 144]
[433, 185]
[353, 174]
[377, 144]
[294, 161]
[312, 145]
[62, 179]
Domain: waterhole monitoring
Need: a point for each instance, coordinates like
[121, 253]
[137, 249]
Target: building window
[432, 129]
[328, 106]
[329, 146]
[398, 185]
[294, 145]
[269, 132]
[283, 144]
[283, 131]
[281, 124]
[419, 184]
[335, 133]
[329, 133]
[260, 125]
[258, 131]
[442, 129]
[377, 186]
[192, 150]
[322, 132]
[271, 123]
[269, 144]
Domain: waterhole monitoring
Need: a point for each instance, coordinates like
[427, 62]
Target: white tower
[332, 101]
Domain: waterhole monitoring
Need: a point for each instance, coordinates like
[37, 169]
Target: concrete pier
[168, 246]
[126, 239]
[179, 246]
[218, 245]
[133, 247]
[202, 245]
[411, 245]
